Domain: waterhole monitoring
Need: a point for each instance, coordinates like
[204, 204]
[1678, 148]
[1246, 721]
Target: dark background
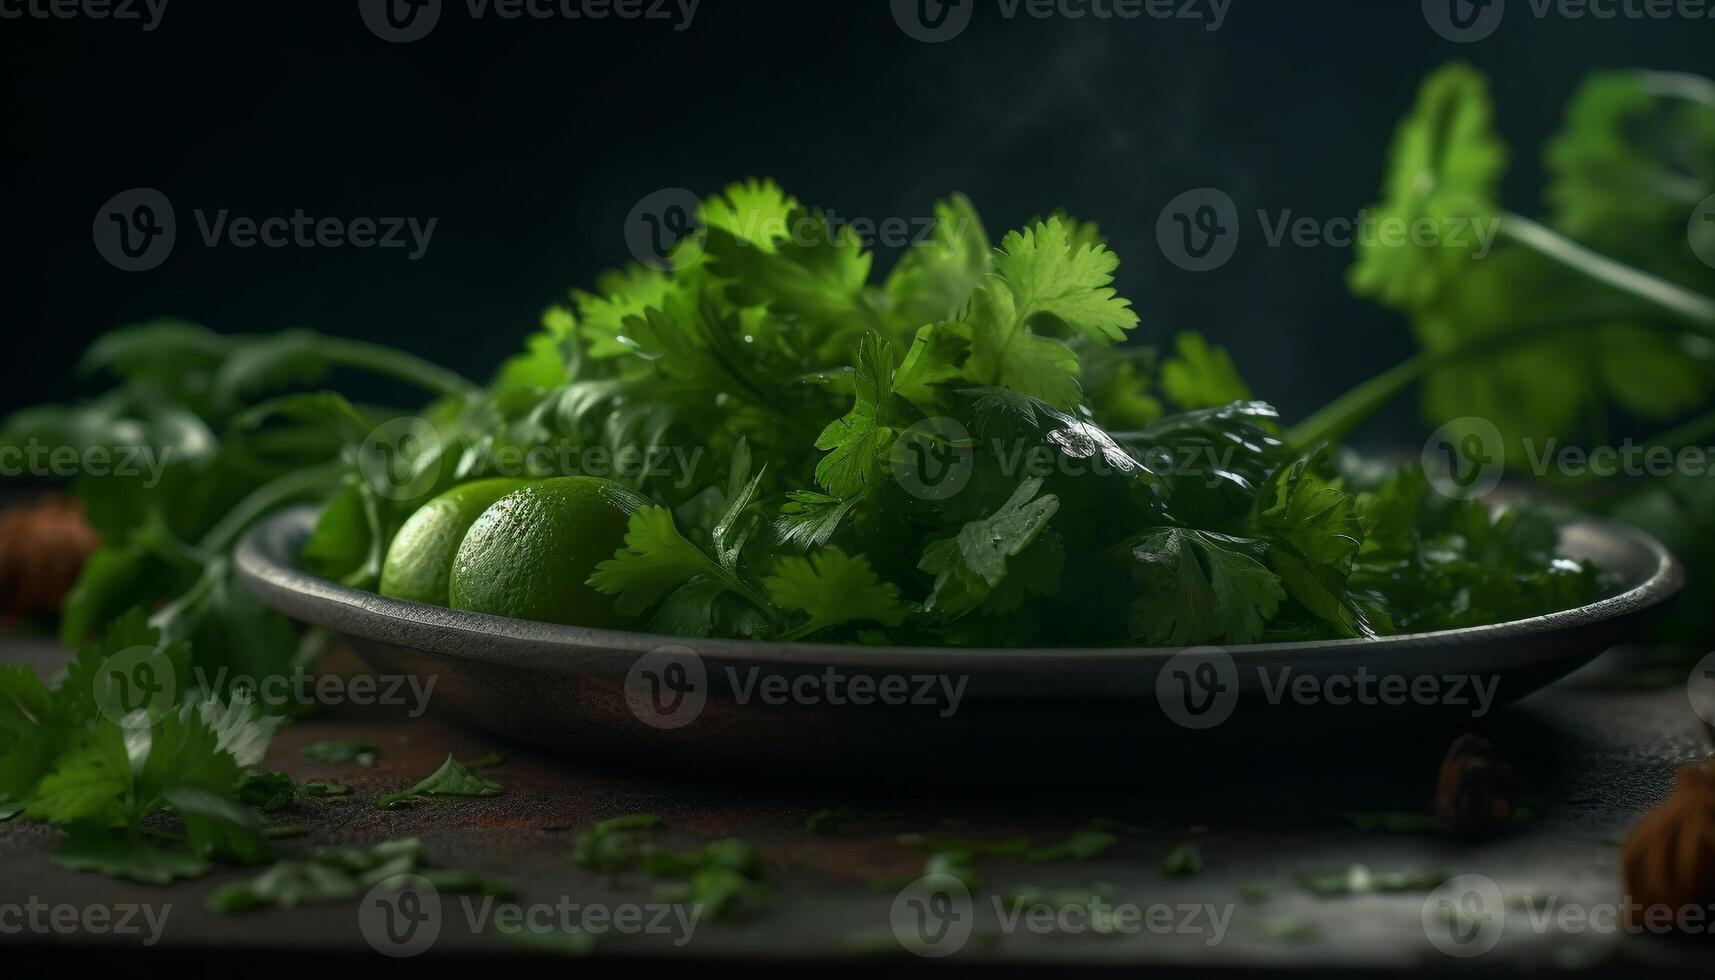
[530, 141]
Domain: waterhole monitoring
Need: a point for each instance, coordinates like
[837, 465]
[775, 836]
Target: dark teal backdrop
[529, 142]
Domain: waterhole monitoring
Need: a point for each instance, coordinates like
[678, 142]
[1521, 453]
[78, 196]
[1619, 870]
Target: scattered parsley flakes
[359, 751]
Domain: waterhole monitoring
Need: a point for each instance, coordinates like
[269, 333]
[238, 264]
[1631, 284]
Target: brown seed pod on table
[43, 545]
[1669, 860]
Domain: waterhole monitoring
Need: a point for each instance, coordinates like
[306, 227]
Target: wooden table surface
[1596, 751]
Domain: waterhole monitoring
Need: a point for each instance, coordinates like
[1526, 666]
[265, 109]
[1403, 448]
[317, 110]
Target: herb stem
[393, 363]
[1336, 420]
[1692, 306]
[266, 498]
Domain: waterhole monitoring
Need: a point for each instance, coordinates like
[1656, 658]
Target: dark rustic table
[1595, 751]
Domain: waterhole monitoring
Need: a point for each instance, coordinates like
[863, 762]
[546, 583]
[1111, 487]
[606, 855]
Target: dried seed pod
[43, 545]
[1669, 860]
[1474, 795]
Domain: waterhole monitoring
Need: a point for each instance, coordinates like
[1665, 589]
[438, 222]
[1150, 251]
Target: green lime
[530, 554]
[420, 561]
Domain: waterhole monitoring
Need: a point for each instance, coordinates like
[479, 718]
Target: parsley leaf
[1202, 375]
[833, 589]
[454, 778]
[1445, 167]
[973, 563]
[857, 443]
[1201, 587]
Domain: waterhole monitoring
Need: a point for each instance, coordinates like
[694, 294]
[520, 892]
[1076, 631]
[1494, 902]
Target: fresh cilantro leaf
[1183, 861]
[973, 563]
[452, 779]
[935, 358]
[91, 782]
[933, 280]
[1202, 375]
[601, 316]
[723, 873]
[656, 560]
[339, 874]
[833, 589]
[1201, 587]
[857, 443]
[1006, 354]
[614, 844]
[1315, 533]
[757, 211]
[1637, 148]
[809, 519]
[268, 791]
[216, 826]
[1445, 167]
[1048, 274]
[93, 847]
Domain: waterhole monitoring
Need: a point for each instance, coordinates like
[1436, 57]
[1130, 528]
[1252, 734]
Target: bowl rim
[265, 562]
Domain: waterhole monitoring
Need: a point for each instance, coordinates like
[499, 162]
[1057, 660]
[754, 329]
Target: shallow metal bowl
[759, 708]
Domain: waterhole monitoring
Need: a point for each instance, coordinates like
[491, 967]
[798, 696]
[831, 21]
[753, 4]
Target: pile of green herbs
[1108, 493]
